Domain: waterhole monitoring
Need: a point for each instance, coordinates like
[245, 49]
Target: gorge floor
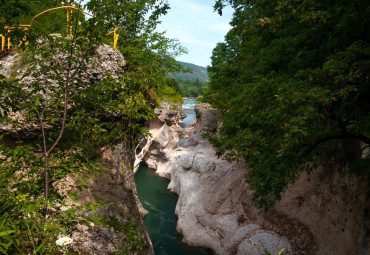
[160, 203]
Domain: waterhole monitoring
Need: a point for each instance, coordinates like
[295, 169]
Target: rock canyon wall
[116, 184]
[324, 212]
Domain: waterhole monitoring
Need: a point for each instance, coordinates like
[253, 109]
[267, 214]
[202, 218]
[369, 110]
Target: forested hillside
[193, 72]
[189, 82]
[187, 88]
[292, 82]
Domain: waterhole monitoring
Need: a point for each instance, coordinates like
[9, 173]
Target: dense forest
[191, 72]
[292, 83]
[190, 81]
[187, 88]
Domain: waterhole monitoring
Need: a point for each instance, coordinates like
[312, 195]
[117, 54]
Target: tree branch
[46, 154]
[363, 138]
[66, 88]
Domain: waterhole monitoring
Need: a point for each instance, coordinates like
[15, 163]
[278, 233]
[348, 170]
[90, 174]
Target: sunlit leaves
[66, 115]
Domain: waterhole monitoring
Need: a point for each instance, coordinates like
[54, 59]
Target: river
[188, 109]
[160, 203]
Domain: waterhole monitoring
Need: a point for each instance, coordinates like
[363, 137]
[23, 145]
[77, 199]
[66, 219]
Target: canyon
[323, 212]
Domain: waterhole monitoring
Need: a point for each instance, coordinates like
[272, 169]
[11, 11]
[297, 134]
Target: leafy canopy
[291, 81]
[150, 55]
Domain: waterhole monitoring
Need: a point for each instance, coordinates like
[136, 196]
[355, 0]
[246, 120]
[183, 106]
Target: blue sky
[197, 27]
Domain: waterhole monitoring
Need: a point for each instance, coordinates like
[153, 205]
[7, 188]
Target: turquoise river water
[160, 203]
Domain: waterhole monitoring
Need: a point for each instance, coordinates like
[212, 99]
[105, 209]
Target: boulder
[207, 118]
[212, 208]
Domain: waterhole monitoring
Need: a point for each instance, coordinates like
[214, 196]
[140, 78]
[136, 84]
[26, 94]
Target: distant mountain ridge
[199, 72]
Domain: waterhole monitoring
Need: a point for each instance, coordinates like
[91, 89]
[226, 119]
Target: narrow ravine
[188, 108]
[160, 203]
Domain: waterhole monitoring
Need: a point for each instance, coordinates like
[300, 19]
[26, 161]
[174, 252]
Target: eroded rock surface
[102, 62]
[117, 185]
[160, 149]
[324, 212]
[334, 205]
[215, 208]
[207, 118]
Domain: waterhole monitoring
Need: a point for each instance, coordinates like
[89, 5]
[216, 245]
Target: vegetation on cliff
[292, 81]
[67, 113]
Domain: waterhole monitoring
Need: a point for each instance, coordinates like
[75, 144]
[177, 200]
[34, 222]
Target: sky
[197, 27]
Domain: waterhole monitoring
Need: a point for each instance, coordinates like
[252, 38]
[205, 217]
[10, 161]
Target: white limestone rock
[160, 149]
[210, 207]
[324, 212]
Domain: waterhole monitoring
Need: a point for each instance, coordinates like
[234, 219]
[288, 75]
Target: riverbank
[315, 215]
[160, 203]
[161, 220]
[215, 208]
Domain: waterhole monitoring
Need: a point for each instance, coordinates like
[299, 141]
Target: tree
[149, 53]
[54, 97]
[296, 76]
[14, 12]
[17, 12]
[70, 113]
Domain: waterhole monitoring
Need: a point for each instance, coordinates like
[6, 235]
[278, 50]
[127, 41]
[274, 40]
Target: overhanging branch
[362, 138]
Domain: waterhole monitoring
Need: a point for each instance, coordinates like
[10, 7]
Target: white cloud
[195, 24]
[197, 27]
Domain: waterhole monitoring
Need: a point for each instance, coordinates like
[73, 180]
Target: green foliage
[191, 72]
[14, 12]
[291, 80]
[279, 253]
[133, 243]
[190, 81]
[186, 88]
[70, 118]
[29, 223]
[149, 54]
[173, 83]
[17, 12]
[167, 93]
[24, 229]
[192, 88]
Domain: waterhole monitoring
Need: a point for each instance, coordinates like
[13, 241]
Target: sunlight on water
[188, 109]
